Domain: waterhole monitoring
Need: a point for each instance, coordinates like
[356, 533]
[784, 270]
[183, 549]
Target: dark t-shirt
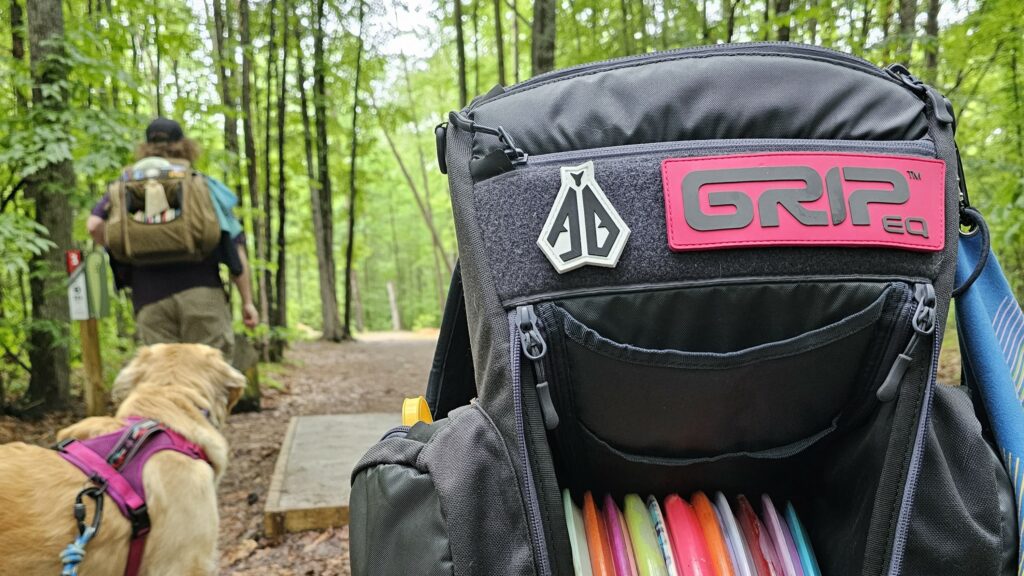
[155, 282]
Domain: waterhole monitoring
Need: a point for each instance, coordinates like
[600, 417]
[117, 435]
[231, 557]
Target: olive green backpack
[161, 212]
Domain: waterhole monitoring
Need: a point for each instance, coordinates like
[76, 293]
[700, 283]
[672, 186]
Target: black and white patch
[583, 227]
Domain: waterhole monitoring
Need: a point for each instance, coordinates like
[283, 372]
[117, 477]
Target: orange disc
[712, 534]
[597, 539]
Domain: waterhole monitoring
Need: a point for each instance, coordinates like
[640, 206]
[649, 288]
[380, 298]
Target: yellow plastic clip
[416, 410]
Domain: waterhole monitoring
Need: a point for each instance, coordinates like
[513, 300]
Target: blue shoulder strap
[991, 332]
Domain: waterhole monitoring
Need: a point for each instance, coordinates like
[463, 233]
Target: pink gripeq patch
[805, 199]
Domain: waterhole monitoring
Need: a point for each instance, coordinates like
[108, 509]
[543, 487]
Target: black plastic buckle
[63, 444]
[139, 518]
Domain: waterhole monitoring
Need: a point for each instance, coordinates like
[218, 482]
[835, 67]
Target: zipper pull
[497, 161]
[924, 325]
[939, 102]
[535, 348]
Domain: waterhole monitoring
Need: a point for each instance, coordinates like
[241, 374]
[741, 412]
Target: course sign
[87, 285]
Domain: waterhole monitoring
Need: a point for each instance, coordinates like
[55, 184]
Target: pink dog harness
[114, 462]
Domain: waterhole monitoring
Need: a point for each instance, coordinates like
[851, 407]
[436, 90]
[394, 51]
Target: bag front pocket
[424, 501]
[790, 388]
[751, 400]
[739, 378]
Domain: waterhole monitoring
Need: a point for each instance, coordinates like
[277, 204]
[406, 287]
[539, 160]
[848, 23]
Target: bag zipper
[916, 458]
[535, 348]
[526, 476]
[924, 148]
[923, 323]
[510, 155]
[941, 106]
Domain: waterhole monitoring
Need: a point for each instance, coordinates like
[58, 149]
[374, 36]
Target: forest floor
[371, 375]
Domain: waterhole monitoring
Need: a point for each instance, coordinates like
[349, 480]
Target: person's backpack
[161, 212]
[725, 268]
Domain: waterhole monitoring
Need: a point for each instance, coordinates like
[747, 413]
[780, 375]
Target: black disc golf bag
[723, 269]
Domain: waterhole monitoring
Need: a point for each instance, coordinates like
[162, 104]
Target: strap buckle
[139, 518]
[63, 444]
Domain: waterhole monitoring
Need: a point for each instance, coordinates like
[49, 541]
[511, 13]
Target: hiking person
[158, 204]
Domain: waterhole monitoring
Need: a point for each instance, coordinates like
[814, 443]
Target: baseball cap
[163, 130]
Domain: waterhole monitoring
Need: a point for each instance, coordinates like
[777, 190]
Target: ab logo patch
[583, 227]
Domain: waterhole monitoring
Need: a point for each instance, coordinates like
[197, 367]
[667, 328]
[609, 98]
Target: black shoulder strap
[452, 382]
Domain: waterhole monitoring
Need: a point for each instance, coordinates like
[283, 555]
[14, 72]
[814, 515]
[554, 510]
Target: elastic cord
[973, 218]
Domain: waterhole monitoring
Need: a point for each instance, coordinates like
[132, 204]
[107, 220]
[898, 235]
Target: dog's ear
[130, 376]
[234, 384]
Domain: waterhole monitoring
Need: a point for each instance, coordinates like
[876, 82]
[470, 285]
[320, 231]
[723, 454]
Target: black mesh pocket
[963, 520]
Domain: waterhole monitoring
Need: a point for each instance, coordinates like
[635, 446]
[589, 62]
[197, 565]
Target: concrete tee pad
[310, 487]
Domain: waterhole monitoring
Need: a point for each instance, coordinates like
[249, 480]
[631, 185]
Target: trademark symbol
[913, 175]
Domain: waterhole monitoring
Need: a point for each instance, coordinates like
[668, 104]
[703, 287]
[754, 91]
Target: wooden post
[95, 396]
[396, 320]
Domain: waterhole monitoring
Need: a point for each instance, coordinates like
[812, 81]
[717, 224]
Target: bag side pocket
[443, 499]
[963, 520]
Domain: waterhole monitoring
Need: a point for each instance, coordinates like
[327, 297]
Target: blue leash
[73, 555]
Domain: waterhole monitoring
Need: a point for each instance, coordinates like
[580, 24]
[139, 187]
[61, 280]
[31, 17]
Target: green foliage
[20, 239]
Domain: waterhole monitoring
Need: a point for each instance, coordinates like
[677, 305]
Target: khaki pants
[195, 316]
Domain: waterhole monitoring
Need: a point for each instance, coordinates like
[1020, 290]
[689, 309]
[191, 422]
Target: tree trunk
[396, 319]
[730, 23]
[268, 207]
[352, 192]
[476, 46]
[767, 20]
[460, 53]
[515, 39]
[1018, 123]
[323, 201]
[424, 177]
[812, 23]
[18, 50]
[782, 15]
[252, 178]
[627, 34]
[221, 46]
[704, 21]
[865, 28]
[357, 303]
[499, 42]
[158, 72]
[280, 319]
[908, 12]
[435, 237]
[886, 25]
[49, 385]
[931, 48]
[543, 45]
[396, 248]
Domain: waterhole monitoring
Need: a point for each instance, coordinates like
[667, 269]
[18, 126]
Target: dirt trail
[372, 375]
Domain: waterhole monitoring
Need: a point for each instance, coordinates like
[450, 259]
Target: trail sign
[78, 298]
[88, 300]
[88, 296]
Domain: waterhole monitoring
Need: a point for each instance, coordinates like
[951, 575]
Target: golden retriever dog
[187, 387]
